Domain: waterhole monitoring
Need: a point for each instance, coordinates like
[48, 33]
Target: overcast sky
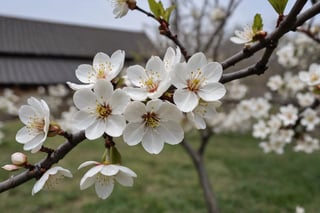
[99, 12]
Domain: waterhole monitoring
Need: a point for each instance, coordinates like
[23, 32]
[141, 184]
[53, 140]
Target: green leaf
[168, 12]
[257, 23]
[155, 8]
[279, 5]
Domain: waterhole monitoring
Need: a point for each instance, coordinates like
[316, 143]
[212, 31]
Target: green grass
[244, 180]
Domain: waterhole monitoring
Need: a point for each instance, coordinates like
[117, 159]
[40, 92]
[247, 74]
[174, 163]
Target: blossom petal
[83, 119]
[212, 71]
[153, 105]
[185, 100]
[104, 188]
[152, 142]
[84, 99]
[127, 171]
[197, 61]
[124, 179]
[103, 90]
[39, 184]
[155, 67]
[87, 163]
[171, 132]
[212, 92]
[95, 130]
[238, 40]
[25, 112]
[36, 141]
[115, 125]
[179, 75]
[137, 75]
[86, 182]
[118, 101]
[79, 86]
[169, 111]
[133, 133]
[24, 135]
[137, 94]
[84, 73]
[110, 170]
[134, 111]
[117, 61]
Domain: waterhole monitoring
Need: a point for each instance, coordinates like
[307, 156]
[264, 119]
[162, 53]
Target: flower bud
[10, 167]
[54, 129]
[19, 159]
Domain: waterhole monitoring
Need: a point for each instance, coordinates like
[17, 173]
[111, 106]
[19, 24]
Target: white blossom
[171, 58]
[260, 130]
[275, 82]
[218, 14]
[305, 99]
[288, 114]
[104, 67]
[121, 7]
[152, 124]
[307, 144]
[196, 79]
[50, 179]
[150, 82]
[103, 177]
[310, 119]
[286, 56]
[243, 37]
[100, 110]
[36, 117]
[312, 77]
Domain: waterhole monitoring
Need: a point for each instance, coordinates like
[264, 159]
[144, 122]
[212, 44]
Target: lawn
[244, 179]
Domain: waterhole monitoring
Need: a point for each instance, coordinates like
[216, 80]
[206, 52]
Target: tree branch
[45, 163]
[291, 22]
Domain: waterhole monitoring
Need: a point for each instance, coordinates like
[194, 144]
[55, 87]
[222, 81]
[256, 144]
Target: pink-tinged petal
[169, 111]
[109, 170]
[212, 71]
[84, 99]
[85, 73]
[185, 100]
[103, 90]
[10, 167]
[171, 132]
[134, 111]
[88, 163]
[152, 142]
[127, 171]
[137, 94]
[118, 101]
[179, 75]
[86, 182]
[24, 135]
[124, 179]
[153, 105]
[25, 112]
[133, 133]
[197, 61]
[115, 125]
[79, 86]
[137, 75]
[155, 65]
[95, 130]
[36, 141]
[83, 119]
[104, 189]
[212, 92]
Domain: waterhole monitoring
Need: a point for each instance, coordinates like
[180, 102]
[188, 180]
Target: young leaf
[278, 5]
[155, 8]
[257, 23]
[168, 12]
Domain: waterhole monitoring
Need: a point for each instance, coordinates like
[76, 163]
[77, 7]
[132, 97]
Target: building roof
[38, 52]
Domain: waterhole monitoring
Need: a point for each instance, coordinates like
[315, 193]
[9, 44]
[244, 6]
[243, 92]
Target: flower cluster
[150, 105]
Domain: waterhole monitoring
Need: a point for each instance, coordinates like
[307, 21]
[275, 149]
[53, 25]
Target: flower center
[53, 181]
[151, 85]
[102, 70]
[314, 77]
[195, 81]
[103, 111]
[151, 119]
[36, 124]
